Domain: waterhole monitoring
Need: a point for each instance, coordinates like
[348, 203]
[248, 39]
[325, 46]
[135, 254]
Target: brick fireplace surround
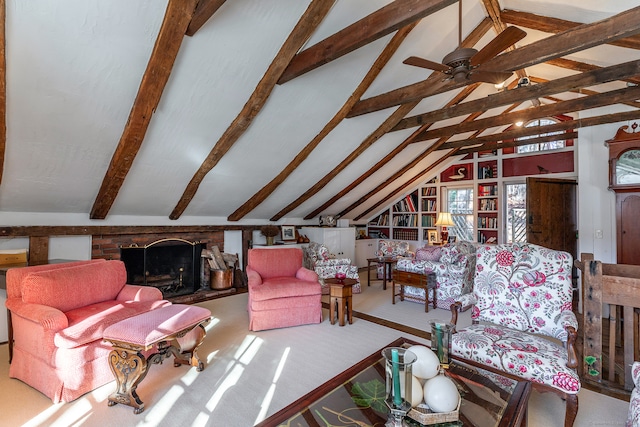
[108, 246]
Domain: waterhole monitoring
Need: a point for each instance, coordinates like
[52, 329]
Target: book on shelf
[405, 234]
[429, 191]
[487, 172]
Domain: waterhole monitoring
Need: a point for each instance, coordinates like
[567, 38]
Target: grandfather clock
[624, 179]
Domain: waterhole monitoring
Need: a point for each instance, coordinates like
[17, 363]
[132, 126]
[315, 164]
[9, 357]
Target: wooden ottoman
[176, 330]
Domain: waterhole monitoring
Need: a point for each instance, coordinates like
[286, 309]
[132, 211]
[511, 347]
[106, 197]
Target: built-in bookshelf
[428, 209]
[412, 216]
[404, 217]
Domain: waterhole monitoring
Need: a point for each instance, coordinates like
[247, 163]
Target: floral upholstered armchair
[318, 258]
[633, 419]
[454, 265]
[397, 249]
[523, 294]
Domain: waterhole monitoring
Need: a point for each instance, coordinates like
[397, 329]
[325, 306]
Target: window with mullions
[460, 206]
[542, 146]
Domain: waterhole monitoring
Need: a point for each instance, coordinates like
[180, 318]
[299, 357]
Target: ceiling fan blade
[494, 77]
[425, 63]
[501, 42]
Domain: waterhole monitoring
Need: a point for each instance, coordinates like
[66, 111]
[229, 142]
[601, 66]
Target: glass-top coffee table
[356, 398]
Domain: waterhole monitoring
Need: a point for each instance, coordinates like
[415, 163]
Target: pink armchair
[59, 312]
[282, 292]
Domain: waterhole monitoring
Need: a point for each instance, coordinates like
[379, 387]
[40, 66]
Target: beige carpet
[253, 375]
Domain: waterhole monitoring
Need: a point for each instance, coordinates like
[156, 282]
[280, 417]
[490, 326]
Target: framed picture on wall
[288, 232]
[433, 236]
[451, 239]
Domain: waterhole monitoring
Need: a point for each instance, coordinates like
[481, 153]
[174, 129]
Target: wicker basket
[423, 415]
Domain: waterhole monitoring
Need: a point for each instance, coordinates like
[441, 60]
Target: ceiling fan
[462, 64]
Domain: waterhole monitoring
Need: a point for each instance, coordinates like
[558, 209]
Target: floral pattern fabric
[528, 356]
[633, 419]
[318, 258]
[521, 290]
[391, 249]
[454, 274]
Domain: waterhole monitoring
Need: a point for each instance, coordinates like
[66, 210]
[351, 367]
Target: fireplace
[171, 265]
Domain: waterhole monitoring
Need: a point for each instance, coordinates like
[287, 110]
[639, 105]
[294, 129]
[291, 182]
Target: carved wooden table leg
[189, 344]
[129, 368]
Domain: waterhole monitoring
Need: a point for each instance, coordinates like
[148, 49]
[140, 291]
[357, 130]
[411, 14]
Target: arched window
[542, 146]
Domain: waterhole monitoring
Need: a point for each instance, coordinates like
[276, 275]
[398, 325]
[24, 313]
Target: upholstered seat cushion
[87, 324]
[151, 327]
[284, 287]
[525, 355]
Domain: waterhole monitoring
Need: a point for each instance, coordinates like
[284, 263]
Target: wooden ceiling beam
[307, 24]
[391, 121]
[581, 91]
[574, 40]
[592, 77]
[583, 103]
[463, 94]
[536, 130]
[373, 72]
[410, 165]
[469, 41]
[490, 146]
[176, 19]
[551, 25]
[383, 21]
[583, 67]
[204, 10]
[391, 195]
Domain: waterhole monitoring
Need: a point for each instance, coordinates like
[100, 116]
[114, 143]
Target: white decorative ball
[441, 394]
[416, 390]
[427, 364]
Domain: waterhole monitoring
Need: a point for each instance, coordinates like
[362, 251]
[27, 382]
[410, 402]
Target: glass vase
[441, 341]
[398, 382]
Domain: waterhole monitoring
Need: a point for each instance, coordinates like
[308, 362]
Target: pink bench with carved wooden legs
[176, 330]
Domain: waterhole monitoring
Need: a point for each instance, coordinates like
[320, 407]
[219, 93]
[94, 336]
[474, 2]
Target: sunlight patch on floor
[243, 356]
[160, 410]
[229, 381]
[71, 414]
[264, 407]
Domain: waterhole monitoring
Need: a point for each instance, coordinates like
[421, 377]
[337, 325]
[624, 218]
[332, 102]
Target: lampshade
[444, 219]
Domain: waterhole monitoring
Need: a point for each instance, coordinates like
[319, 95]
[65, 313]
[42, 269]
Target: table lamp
[444, 220]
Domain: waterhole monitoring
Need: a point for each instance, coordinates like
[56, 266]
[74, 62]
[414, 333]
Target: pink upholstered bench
[176, 330]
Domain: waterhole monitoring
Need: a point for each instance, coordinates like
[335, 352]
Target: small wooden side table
[341, 296]
[417, 280]
[388, 265]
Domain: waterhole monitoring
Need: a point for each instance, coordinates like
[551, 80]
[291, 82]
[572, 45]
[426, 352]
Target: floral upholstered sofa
[318, 258]
[633, 419]
[454, 265]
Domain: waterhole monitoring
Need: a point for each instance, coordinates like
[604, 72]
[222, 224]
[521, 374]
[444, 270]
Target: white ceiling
[74, 68]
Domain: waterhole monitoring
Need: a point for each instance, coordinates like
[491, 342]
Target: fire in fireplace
[171, 265]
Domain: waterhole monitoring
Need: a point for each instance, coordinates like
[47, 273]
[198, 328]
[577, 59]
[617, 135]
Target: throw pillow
[429, 253]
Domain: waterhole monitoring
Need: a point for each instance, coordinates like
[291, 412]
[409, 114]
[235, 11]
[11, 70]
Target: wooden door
[551, 214]
[627, 229]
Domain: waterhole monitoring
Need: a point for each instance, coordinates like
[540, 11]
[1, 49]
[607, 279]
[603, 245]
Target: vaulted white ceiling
[74, 68]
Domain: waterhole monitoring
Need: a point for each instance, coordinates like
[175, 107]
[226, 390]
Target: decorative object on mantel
[270, 231]
[444, 220]
[288, 233]
[327, 221]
